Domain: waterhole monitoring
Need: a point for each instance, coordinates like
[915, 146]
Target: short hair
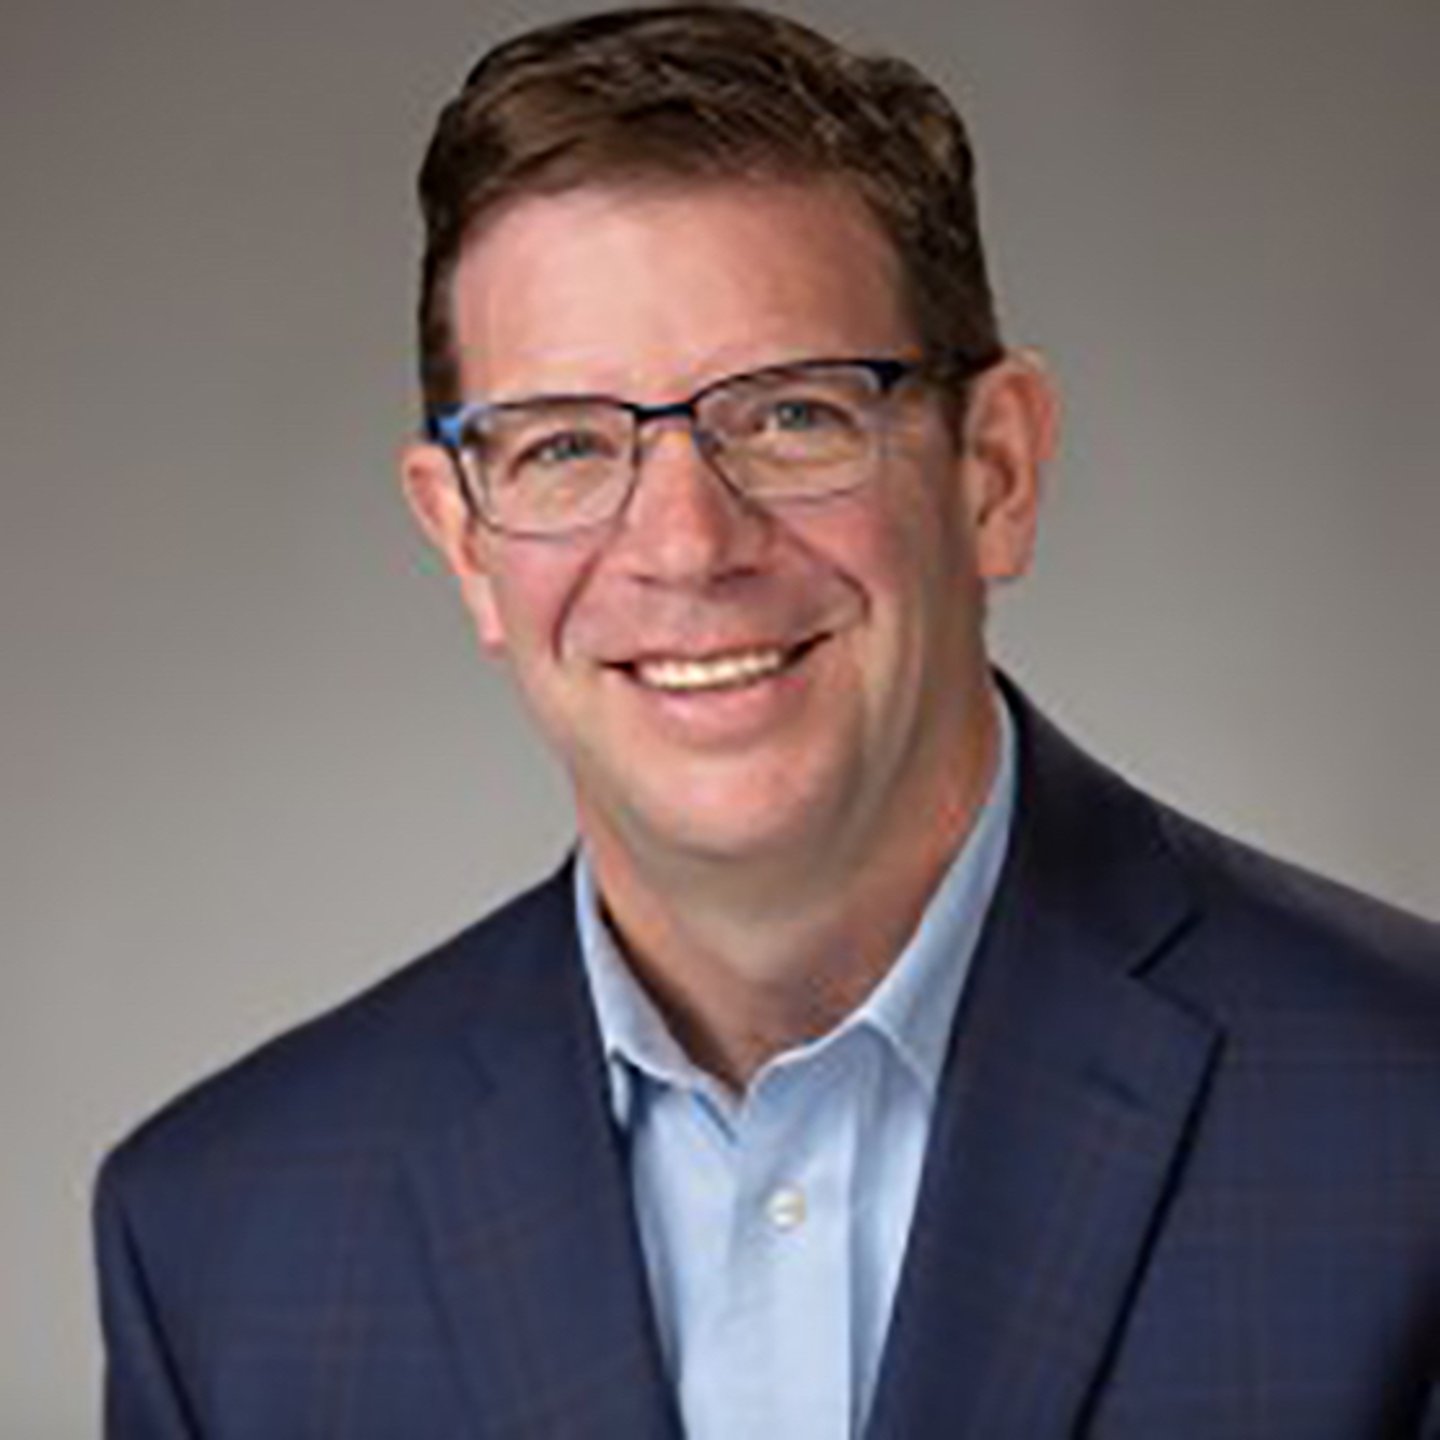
[708, 91]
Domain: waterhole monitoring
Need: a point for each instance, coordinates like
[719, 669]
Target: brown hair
[708, 90]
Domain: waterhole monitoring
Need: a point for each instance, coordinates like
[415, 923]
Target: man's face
[859, 615]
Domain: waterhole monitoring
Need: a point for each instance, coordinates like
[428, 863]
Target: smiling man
[749, 622]
[878, 1064]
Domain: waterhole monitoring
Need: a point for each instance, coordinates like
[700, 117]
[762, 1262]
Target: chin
[745, 822]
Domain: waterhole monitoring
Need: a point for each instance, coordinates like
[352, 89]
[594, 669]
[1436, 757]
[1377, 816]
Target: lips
[722, 670]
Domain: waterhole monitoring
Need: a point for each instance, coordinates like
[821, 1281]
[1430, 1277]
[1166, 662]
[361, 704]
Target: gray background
[249, 760]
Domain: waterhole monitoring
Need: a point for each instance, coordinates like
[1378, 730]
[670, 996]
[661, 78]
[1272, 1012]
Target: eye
[799, 414]
[564, 447]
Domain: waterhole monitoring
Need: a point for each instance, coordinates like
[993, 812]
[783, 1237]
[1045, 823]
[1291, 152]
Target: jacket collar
[1063, 1118]
[524, 1203]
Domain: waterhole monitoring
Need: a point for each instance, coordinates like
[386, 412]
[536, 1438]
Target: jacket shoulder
[1277, 937]
[361, 1076]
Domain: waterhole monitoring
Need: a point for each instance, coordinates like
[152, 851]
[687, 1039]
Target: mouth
[726, 670]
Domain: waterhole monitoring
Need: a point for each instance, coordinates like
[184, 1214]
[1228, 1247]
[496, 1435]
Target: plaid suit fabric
[357, 1233]
[1183, 1180]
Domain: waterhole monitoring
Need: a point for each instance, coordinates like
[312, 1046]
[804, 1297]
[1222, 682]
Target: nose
[685, 524]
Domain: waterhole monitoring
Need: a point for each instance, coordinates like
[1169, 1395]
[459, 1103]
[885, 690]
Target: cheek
[518, 601]
[895, 545]
[912, 554]
[860, 537]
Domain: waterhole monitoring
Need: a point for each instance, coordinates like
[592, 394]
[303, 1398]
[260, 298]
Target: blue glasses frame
[447, 426]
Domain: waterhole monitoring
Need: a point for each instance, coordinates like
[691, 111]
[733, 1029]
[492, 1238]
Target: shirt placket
[796, 1158]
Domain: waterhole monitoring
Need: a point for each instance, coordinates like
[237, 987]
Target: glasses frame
[446, 427]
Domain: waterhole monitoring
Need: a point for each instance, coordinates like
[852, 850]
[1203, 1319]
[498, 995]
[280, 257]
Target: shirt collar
[912, 1008]
[632, 1030]
[914, 1004]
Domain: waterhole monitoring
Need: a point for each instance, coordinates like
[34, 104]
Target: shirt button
[786, 1207]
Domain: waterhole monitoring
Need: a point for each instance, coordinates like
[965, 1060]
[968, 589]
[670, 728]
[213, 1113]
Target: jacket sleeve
[143, 1395]
[1430, 1420]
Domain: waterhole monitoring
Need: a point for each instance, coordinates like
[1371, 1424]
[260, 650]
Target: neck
[748, 960]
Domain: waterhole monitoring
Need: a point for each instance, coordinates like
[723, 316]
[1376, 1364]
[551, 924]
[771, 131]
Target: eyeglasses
[555, 464]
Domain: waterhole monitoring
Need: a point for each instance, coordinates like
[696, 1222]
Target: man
[880, 1064]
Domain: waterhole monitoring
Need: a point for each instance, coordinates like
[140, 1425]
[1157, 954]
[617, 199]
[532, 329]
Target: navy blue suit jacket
[1183, 1181]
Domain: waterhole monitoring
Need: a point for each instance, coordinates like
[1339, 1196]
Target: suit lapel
[525, 1208]
[1060, 1123]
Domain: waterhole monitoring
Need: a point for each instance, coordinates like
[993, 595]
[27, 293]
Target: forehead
[650, 290]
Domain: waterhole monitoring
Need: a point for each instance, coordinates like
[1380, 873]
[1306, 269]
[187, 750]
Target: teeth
[735, 669]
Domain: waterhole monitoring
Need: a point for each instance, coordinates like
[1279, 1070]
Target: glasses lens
[808, 430]
[550, 465]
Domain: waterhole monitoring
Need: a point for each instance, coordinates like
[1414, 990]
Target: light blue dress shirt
[774, 1223]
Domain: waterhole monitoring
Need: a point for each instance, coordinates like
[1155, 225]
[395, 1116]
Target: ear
[1010, 430]
[432, 491]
